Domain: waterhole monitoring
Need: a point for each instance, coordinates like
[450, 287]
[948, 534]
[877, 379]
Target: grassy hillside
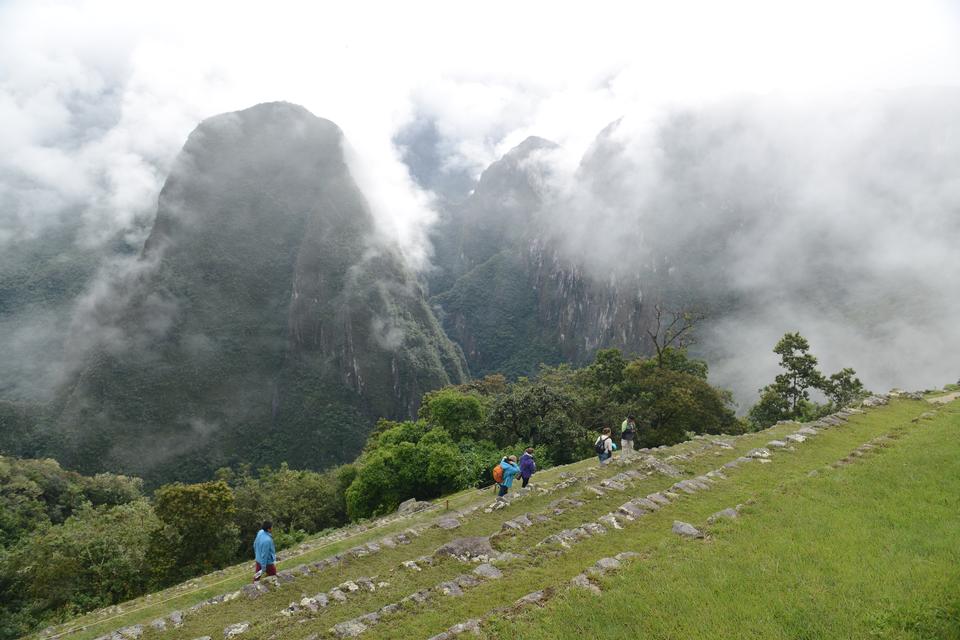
[850, 533]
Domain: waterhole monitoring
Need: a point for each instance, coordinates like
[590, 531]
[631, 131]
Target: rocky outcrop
[266, 321]
[498, 260]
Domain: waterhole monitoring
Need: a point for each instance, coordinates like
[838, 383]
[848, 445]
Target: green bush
[408, 461]
[34, 493]
[198, 533]
[97, 557]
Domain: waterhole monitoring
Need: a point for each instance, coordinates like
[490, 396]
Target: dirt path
[950, 397]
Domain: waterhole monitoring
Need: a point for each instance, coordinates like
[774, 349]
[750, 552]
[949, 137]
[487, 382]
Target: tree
[198, 533]
[405, 464]
[789, 396]
[535, 413]
[606, 372]
[844, 388]
[461, 414]
[800, 371]
[97, 557]
[672, 403]
[677, 359]
[673, 329]
[34, 493]
[294, 500]
[772, 407]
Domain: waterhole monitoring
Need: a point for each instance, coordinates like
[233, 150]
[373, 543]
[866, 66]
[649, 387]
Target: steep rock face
[495, 216]
[528, 305]
[263, 324]
[508, 294]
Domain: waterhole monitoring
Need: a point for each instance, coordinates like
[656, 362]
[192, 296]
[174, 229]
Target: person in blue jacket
[510, 470]
[264, 552]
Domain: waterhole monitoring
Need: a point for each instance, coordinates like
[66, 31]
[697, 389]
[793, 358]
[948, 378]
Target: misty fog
[837, 218]
[800, 176]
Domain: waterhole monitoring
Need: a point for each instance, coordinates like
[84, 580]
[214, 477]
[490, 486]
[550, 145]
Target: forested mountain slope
[264, 323]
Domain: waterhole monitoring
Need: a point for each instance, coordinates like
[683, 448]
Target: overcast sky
[97, 97]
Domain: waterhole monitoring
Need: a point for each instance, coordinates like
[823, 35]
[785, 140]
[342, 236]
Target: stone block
[583, 582]
[607, 564]
[348, 629]
[488, 571]
[236, 629]
[686, 530]
[729, 513]
[532, 598]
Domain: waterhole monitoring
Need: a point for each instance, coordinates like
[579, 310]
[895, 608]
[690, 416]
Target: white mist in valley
[834, 217]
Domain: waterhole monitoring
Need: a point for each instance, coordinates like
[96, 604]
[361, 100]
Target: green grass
[866, 550]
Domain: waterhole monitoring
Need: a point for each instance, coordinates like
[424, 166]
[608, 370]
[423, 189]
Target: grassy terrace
[867, 549]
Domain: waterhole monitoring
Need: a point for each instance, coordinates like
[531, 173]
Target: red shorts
[258, 571]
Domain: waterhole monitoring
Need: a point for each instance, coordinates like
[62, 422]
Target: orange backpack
[497, 473]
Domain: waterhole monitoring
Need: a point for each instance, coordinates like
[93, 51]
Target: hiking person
[510, 471]
[264, 552]
[528, 466]
[628, 431]
[604, 446]
[497, 473]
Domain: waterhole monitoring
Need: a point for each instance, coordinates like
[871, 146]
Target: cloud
[834, 217]
[97, 97]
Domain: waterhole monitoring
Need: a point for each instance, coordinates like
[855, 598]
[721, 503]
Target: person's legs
[256, 571]
[627, 446]
[526, 481]
[271, 570]
[503, 490]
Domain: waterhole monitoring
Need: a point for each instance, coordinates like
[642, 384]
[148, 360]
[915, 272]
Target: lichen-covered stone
[632, 510]
[583, 582]
[729, 513]
[466, 548]
[646, 503]
[532, 598]
[348, 629]
[607, 564]
[488, 572]
[450, 588]
[236, 629]
[686, 530]
[610, 520]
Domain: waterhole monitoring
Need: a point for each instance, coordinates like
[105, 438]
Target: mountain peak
[279, 112]
[263, 328]
[530, 145]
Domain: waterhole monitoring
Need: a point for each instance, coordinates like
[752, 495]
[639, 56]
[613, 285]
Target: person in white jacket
[604, 446]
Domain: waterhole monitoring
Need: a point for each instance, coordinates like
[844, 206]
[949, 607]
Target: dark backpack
[600, 446]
